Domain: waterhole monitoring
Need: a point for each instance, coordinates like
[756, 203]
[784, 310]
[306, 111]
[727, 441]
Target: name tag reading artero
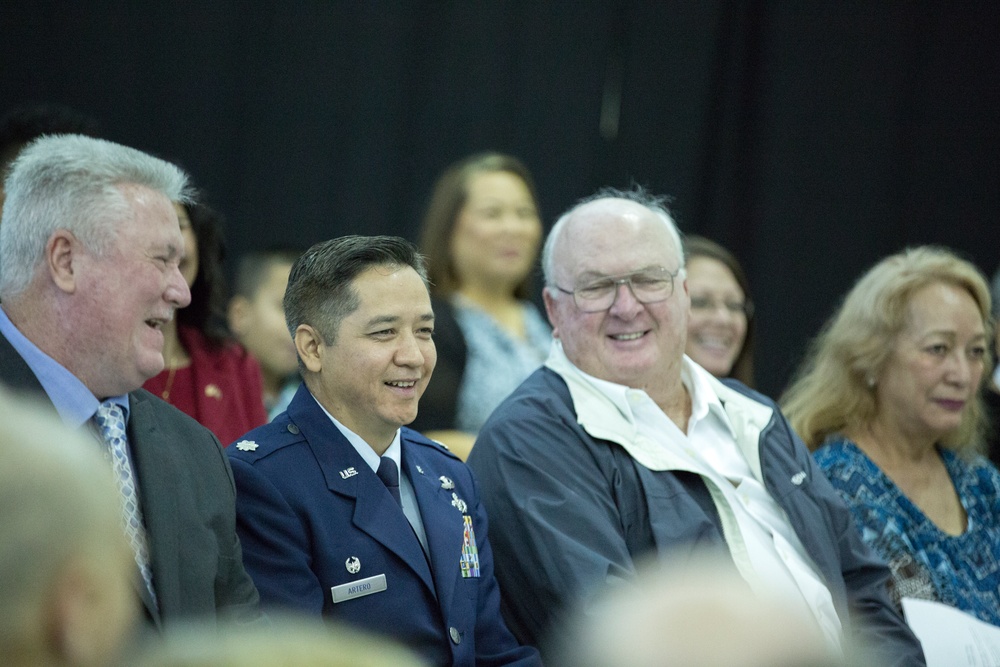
[358, 589]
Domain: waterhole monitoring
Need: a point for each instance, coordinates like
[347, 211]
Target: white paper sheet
[950, 637]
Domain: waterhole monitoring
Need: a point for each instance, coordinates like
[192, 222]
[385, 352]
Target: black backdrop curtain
[812, 138]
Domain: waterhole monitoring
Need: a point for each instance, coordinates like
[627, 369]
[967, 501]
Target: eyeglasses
[704, 304]
[647, 286]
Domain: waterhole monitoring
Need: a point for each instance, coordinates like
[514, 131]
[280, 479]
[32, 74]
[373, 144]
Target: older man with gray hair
[89, 252]
[620, 446]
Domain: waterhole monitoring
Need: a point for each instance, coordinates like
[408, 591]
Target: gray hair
[58, 502]
[638, 194]
[71, 182]
[320, 291]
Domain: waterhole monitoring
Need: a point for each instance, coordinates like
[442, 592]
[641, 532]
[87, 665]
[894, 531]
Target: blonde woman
[889, 401]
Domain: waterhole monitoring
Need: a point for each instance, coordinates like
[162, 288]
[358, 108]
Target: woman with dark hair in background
[207, 374]
[720, 329]
[481, 236]
[889, 399]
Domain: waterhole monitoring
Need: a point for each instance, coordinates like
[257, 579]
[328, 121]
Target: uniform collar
[363, 448]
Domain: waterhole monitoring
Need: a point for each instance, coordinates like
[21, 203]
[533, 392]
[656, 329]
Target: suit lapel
[154, 457]
[443, 522]
[347, 474]
[16, 373]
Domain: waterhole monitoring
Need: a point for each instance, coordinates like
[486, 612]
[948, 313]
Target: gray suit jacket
[188, 502]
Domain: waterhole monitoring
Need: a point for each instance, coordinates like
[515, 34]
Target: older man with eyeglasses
[620, 447]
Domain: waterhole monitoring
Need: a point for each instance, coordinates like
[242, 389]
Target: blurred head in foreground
[685, 615]
[66, 595]
[291, 641]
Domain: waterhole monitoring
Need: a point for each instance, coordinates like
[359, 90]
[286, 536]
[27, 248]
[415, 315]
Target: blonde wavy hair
[833, 391]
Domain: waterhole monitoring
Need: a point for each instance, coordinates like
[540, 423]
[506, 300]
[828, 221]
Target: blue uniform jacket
[312, 515]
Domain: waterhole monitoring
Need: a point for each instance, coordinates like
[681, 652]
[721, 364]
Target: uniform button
[293, 429]
[455, 635]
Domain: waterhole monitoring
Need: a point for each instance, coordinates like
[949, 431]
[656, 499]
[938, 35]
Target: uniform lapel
[375, 511]
[443, 522]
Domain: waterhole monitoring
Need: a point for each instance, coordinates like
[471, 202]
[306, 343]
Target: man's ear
[238, 313]
[309, 344]
[550, 308]
[61, 251]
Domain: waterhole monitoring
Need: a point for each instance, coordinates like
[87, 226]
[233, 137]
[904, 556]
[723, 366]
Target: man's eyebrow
[382, 319]
[595, 275]
[427, 317]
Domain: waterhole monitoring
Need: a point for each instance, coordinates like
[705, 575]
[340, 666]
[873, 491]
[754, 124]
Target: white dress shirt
[763, 544]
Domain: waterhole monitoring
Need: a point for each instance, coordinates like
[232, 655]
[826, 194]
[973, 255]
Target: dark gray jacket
[569, 513]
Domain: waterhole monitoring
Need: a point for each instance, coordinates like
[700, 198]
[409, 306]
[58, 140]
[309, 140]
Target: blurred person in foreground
[697, 613]
[888, 399]
[481, 234]
[207, 373]
[621, 447]
[257, 319]
[89, 275]
[65, 569]
[720, 334]
[291, 641]
[342, 511]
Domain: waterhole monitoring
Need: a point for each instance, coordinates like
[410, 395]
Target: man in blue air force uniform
[341, 511]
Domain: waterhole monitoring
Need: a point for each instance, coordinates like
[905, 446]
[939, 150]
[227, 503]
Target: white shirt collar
[597, 401]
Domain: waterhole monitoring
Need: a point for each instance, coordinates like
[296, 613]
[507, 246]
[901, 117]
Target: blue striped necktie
[110, 419]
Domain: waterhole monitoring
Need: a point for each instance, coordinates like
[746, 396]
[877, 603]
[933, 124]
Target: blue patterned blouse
[496, 362]
[962, 571]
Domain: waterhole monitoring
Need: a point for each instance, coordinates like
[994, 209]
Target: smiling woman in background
[889, 400]
[720, 329]
[481, 236]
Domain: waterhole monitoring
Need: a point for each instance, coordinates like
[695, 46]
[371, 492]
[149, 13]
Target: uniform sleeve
[495, 645]
[557, 533]
[276, 548]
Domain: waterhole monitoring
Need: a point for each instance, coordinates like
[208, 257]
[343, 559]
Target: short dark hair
[253, 267]
[449, 196]
[699, 246]
[320, 291]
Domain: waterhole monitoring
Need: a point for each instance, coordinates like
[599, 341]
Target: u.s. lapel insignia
[459, 503]
[420, 470]
[246, 445]
[353, 565]
[446, 483]
[348, 472]
[469, 560]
